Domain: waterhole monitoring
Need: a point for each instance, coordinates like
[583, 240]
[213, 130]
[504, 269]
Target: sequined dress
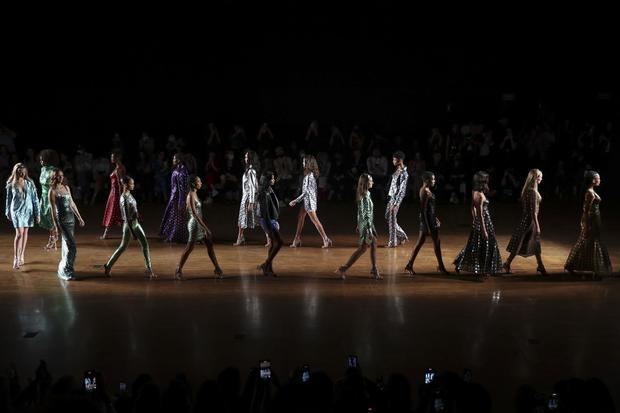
[480, 256]
[589, 253]
[365, 220]
[524, 240]
[196, 233]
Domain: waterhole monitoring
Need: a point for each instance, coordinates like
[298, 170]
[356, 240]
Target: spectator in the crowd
[283, 165]
[83, 161]
[377, 166]
[161, 172]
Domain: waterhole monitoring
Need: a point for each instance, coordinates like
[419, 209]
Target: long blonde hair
[311, 166]
[13, 178]
[530, 182]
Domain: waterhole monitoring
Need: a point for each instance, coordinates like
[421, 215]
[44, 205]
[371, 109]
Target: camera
[553, 402]
[353, 361]
[265, 370]
[429, 376]
[91, 377]
[305, 374]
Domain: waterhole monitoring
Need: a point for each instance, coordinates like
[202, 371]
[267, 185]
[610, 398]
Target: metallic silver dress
[66, 220]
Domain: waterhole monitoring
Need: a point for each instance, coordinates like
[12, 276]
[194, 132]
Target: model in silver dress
[309, 197]
[396, 194]
[131, 226]
[525, 240]
[248, 208]
[64, 212]
[197, 229]
[22, 209]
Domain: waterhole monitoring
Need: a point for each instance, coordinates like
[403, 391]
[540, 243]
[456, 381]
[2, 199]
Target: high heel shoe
[106, 270]
[240, 241]
[51, 243]
[506, 268]
[265, 269]
[218, 272]
[15, 264]
[542, 271]
[342, 270]
[442, 270]
[409, 269]
[21, 262]
[178, 275]
[296, 243]
[375, 274]
[327, 243]
[149, 273]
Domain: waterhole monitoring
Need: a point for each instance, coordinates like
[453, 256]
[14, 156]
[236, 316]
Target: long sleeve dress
[249, 186]
[365, 220]
[22, 205]
[308, 193]
[173, 226]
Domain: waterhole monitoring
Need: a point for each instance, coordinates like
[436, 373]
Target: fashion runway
[522, 329]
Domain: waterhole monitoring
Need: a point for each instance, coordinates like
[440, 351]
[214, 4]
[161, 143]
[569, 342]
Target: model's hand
[437, 222]
[394, 208]
[55, 232]
[250, 206]
[537, 232]
[38, 220]
[292, 203]
[8, 216]
[81, 222]
[485, 234]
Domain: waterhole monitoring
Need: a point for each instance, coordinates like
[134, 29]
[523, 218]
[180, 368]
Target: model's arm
[587, 205]
[34, 198]
[478, 209]
[304, 190]
[423, 205]
[9, 199]
[402, 189]
[52, 200]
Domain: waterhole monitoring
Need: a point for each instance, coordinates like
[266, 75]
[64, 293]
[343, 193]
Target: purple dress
[174, 224]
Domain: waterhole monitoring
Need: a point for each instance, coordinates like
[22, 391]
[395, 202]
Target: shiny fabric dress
[480, 256]
[396, 194]
[365, 220]
[45, 208]
[173, 226]
[112, 214]
[129, 212]
[22, 205]
[308, 193]
[66, 220]
[249, 186]
[196, 233]
[524, 241]
[589, 253]
[429, 216]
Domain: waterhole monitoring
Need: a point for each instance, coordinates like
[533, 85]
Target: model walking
[365, 228]
[64, 212]
[269, 210]
[173, 226]
[48, 158]
[429, 224]
[481, 254]
[396, 194]
[112, 214]
[131, 226]
[197, 229]
[525, 240]
[22, 209]
[309, 197]
[589, 253]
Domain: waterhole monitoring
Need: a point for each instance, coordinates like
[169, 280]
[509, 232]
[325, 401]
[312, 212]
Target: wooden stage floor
[509, 331]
